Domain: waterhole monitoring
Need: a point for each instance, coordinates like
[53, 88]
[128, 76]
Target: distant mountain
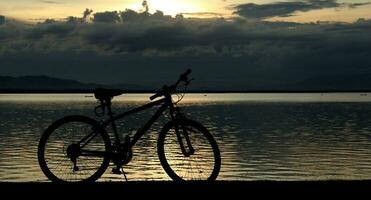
[46, 83]
[360, 82]
[42, 83]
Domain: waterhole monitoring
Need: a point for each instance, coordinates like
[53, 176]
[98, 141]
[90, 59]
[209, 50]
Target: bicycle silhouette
[78, 148]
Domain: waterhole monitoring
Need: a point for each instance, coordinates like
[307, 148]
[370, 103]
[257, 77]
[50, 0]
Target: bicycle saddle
[106, 94]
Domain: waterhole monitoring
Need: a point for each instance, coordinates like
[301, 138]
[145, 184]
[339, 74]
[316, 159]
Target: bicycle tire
[56, 126]
[210, 139]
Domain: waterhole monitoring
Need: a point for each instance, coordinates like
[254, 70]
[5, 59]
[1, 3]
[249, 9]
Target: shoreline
[235, 188]
[10, 91]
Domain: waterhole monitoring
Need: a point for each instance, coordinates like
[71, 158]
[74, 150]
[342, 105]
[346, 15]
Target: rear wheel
[203, 164]
[64, 158]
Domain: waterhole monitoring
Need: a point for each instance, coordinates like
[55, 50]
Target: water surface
[261, 136]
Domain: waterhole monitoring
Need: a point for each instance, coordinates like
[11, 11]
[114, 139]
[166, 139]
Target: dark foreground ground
[191, 190]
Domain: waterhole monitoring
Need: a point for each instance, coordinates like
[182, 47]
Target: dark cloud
[2, 19]
[138, 32]
[51, 2]
[86, 13]
[145, 6]
[203, 14]
[237, 54]
[11, 30]
[106, 17]
[287, 8]
[50, 29]
[6, 33]
[354, 5]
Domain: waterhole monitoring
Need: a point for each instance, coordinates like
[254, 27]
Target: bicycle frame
[147, 125]
[166, 102]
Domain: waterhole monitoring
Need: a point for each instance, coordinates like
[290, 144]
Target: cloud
[106, 17]
[240, 53]
[11, 30]
[354, 5]
[145, 6]
[51, 28]
[130, 31]
[50, 2]
[287, 8]
[203, 14]
[86, 13]
[2, 19]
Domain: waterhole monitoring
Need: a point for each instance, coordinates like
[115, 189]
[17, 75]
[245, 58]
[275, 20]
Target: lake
[260, 136]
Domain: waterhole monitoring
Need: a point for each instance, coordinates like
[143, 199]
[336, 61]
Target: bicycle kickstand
[123, 172]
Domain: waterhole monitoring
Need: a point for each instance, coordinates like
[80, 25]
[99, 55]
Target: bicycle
[83, 152]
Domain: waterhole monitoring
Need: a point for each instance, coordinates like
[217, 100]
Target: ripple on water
[258, 141]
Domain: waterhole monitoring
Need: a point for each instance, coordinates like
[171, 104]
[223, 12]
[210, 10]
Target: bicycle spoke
[62, 140]
[199, 165]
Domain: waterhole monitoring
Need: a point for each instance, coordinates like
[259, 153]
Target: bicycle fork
[179, 135]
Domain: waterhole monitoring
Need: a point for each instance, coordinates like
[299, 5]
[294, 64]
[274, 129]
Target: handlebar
[182, 78]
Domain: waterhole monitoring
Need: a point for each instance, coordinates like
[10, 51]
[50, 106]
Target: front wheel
[201, 159]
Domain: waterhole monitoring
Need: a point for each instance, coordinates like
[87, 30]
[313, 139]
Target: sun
[169, 7]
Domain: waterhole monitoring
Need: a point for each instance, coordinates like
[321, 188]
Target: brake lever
[189, 81]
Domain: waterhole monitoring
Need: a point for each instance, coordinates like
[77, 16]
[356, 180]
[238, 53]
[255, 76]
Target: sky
[231, 45]
[36, 10]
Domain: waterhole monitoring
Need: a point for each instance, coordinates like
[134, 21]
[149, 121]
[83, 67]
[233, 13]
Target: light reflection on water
[307, 138]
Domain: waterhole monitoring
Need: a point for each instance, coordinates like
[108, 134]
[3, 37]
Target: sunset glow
[169, 7]
[38, 10]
